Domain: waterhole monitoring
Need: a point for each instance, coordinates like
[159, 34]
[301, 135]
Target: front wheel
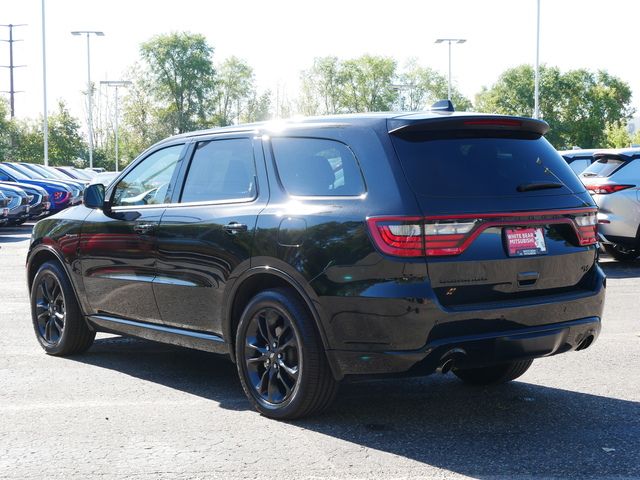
[280, 357]
[622, 254]
[495, 374]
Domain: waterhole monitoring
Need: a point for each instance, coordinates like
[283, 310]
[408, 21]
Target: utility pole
[116, 84]
[536, 93]
[11, 66]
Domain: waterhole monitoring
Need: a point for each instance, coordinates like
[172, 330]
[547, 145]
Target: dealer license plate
[525, 241]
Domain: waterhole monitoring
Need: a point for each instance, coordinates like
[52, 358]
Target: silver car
[614, 181]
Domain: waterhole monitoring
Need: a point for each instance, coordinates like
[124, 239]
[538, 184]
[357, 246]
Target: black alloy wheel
[272, 355]
[280, 357]
[50, 308]
[57, 319]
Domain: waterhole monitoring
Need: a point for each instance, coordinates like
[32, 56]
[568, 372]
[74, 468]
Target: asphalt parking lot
[137, 410]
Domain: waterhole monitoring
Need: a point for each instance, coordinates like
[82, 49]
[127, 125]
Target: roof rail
[443, 106]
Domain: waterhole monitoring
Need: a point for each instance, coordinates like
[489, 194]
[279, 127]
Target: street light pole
[536, 94]
[116, 84]
[88, 33]
[450, 41]
[45, 117]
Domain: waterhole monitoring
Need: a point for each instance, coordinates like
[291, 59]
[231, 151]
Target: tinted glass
[221, 170]
[148, 182]
[14, 173]
[317, 167]
[603, 167]
[445, 165]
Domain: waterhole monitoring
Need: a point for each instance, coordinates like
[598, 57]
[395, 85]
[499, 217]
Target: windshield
[15, 173]
[81, 174]
[603, 167]
[482, 164]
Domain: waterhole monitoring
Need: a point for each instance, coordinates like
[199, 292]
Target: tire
[57, 320]
[496, 374]
[293, 379]
[621, 253]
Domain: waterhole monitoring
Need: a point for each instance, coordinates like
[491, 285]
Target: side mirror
[93, 196]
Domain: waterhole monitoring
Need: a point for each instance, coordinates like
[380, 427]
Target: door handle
[143, 228]
[234, 227]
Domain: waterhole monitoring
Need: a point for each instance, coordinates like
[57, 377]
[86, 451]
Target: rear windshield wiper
[527, 187]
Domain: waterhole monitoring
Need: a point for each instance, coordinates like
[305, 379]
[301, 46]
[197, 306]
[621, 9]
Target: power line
[11, 66]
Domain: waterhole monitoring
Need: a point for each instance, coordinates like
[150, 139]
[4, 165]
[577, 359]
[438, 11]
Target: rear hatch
[504, 217]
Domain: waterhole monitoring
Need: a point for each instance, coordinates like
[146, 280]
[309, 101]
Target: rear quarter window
[317, 167]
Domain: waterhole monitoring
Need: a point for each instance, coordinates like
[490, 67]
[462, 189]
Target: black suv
[318, 249]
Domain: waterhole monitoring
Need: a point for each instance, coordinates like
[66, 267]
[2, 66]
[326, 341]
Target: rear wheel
[495, 374]
[55, 313]
[280, 357]
[622, 254]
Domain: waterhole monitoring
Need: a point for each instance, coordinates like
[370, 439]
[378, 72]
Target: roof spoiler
[467, 122]
[443, 106]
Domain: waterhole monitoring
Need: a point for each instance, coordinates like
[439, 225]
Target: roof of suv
[400, 118]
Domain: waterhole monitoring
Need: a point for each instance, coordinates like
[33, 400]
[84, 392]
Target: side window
[317, 167]
[148, 182]
[221, 170]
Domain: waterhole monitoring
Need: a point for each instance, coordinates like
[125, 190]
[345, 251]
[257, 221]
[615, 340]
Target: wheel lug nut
[279, 355]
[274, 345]
[267, 348]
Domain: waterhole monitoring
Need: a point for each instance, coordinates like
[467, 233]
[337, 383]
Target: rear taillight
[587, 227]
[447, 237]
[442, 236]
[608, 188]
[399, 236]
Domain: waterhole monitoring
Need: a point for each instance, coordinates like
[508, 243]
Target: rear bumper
[473, 350]
[474, 337]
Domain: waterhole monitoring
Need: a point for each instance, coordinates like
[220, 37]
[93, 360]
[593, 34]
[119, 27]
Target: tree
[420, 87]
[258, 108]
[182, 75]
[66, 144]
[617, 136]
[578, 104]
[234, 89]
[7, 132]
[323, 86]
[368, 84]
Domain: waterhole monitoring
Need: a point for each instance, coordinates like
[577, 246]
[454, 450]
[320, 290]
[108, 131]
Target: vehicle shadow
[518, 429]
[614, 269]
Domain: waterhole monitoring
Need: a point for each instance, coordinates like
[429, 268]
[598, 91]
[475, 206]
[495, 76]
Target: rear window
[603, 167]
[317, 167]
[477, 164]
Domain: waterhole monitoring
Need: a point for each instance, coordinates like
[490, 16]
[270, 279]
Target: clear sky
[281, 37]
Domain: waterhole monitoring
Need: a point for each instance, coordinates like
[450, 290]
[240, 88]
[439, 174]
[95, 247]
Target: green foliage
[368, 84]
[234, 89]
[258, 108]
[578, 104]
[420, 87]
[617, 136]
[65, 142]
[181, 69]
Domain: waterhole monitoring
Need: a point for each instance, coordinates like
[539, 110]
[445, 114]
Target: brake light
[608, 188]
[500, 122]
[587, 228]
[399, 236]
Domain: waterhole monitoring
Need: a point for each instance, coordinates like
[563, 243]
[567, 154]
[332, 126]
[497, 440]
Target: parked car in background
[61, 196]
[39, 204]
[614, 182]
[18, 204]
[31, 172]
[53, 174]
[104, 178]
[76, 173]
[578, 159]
[333, 247]
[4, 208]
